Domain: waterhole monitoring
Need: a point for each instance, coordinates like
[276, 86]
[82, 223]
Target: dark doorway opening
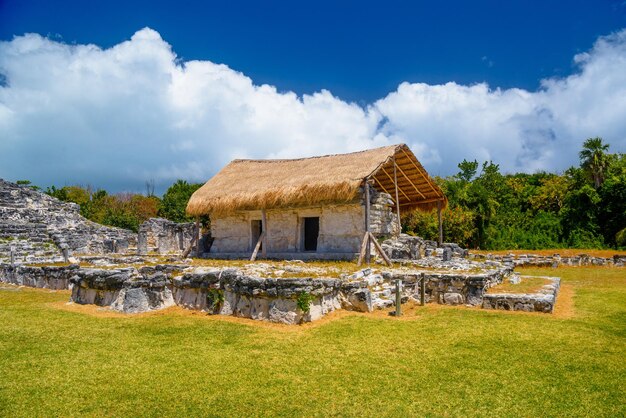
[311, 232]
[256, 228]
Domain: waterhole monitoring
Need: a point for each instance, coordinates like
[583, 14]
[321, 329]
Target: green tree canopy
[175, 200]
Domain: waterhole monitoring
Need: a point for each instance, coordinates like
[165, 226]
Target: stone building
[320, 207]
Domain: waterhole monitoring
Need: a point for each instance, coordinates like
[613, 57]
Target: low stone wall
[228, 292]
[125, 290]
[556, 260]
[445, 288]
[543, 301]
[47, 277]
[233, 292]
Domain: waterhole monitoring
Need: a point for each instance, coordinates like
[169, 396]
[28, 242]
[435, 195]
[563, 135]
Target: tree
[594, 159]
[174, 202]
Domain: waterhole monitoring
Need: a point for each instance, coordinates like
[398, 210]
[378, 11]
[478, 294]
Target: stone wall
[227, 292]
[341, 230]
[383, 218]
[47, 277]
[38, 226]
[542, 301]
[447, 288]
[555, 260]
[341, 227]
[162, 236]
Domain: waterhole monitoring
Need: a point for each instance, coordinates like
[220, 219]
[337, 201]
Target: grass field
[58, 359]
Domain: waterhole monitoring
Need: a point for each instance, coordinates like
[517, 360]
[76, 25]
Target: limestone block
[283, 311]
[360, 300]
[259, 308]
[452, 298]
[230, 303]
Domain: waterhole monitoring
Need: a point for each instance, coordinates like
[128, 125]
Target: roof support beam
[438, 199]
[390, 178]
[412, 184]
[395, 178]
[420, 171]
[440, 223]
[367, 219]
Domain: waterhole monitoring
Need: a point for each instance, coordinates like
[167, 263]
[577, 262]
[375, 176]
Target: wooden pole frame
[439, 204]
[257, 246]
[367, 239]
[395, 183]
[367, 220]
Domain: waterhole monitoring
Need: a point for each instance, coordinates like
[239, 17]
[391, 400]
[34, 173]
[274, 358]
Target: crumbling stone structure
[164, 236]
[36, 227]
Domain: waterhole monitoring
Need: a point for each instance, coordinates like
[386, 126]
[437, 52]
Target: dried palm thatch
[330, 179]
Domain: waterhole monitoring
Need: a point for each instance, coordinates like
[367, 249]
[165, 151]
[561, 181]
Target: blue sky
[359, 50]
[396, 60]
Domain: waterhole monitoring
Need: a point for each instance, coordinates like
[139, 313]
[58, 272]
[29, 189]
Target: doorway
[311, 232]
[256, 229]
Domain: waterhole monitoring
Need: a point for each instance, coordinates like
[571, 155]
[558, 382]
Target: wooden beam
[264, 234]
[439, 205]
[391, 178]
[421, 172]
[422, 201]
[411, 182]
[367, 218]
[257, 246]
[395, 178]
[366, 238]
[379, 249]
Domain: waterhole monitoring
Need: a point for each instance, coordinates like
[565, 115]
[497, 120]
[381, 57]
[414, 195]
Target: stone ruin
[35, 227]
[162, 236]
[135, 273]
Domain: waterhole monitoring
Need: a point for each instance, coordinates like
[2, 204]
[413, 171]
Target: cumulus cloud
[117, 117]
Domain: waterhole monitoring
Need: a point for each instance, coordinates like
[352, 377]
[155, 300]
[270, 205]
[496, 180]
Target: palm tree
[593, 158]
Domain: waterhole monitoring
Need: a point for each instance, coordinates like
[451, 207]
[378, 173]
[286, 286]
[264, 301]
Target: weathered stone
[37, 226]
[403, 247]
[164, 236]
[453, 298]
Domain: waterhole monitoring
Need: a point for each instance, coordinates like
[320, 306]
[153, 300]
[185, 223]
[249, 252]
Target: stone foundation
[241, 293]
[556, 260]
[543, 301]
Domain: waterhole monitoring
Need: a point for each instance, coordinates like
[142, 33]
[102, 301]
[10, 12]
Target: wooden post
[380, 249]
[257, 246]
[366, 239]
[197, 231]
[395, 182]
[367, 220]
[440, 224]
[264, 234]
[422, 290]
[398, 297]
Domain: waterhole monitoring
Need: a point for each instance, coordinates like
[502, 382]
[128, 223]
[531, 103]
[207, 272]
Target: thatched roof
[330, 179]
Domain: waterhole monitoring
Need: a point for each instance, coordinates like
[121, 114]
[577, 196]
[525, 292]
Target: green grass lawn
[435, 361]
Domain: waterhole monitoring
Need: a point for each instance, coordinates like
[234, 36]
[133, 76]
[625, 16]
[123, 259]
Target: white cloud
[119, 116]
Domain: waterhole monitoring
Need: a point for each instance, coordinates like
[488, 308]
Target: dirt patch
[564, 307]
